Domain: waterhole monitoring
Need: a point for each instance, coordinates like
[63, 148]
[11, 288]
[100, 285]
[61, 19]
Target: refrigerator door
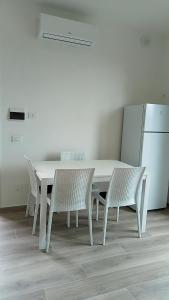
[132, 134]
[155, 157]
[156, 118]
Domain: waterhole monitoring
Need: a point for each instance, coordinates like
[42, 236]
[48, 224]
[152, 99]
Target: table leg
[144, 202]
[43, 213]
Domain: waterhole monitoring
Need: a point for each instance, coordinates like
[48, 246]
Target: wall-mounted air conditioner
[65, 30]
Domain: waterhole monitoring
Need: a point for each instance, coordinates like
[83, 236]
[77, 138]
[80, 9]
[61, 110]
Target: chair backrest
[123, 186]
[72, 155]
[32, 177]
[71, 189]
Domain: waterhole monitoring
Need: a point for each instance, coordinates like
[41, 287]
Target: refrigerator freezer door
[156, 118]
[155, 157]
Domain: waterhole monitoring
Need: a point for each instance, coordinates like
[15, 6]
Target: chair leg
[97, 210]
[105, 223]
[68, 219]
[117, 214]
[92, 202]
[77, 219]
[27, 205]
[35, 215]
[49, 230]
[90, 225]
[138, 222]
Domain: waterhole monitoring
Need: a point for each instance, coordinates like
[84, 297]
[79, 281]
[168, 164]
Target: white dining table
[45, 171]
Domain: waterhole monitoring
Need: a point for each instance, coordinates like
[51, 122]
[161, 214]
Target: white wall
[77, 93]
[0, 115]
[165, 73]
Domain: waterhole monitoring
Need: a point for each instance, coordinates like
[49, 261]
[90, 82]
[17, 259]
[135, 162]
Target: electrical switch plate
[16, 138]
[31, 115]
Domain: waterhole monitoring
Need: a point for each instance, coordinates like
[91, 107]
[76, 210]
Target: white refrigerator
[145, 142]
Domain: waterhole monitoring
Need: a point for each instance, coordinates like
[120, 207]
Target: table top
[103, 168]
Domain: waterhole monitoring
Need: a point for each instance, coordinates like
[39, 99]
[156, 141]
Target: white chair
[123, 191]
[75, 155]
[71, 192]
[34, 192]
[72, 155]
[33, 188]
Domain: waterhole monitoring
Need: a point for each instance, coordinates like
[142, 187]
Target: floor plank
[40, 295]
[120, 295]
[151, 290]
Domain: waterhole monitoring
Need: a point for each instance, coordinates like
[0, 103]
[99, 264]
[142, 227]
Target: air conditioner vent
[66, 39]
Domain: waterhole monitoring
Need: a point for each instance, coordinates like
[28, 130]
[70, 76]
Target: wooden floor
[126, 268]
